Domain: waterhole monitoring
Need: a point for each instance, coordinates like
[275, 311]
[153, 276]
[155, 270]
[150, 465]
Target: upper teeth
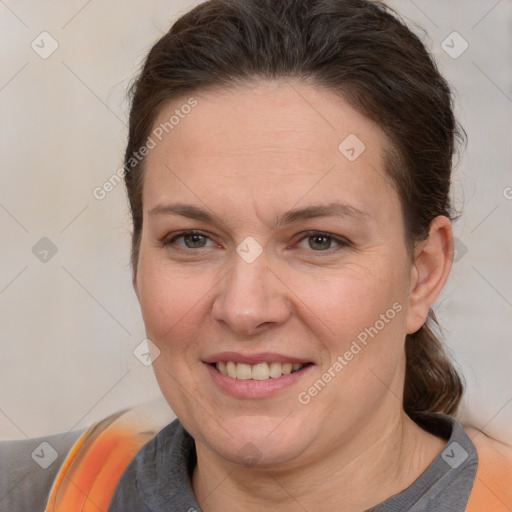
[260, 371]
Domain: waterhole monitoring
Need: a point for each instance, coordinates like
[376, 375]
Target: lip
[250, 388]
[262, 357]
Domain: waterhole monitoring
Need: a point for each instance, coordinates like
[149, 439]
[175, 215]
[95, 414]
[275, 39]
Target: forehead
[273, 115]
[269, 144]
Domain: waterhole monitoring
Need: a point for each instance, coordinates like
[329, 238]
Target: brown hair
[357, 48]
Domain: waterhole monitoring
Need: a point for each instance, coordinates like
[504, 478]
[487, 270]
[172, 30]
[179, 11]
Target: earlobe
[430, 270]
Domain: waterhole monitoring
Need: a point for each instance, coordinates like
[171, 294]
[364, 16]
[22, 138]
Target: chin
[261, 452]
[259, 440]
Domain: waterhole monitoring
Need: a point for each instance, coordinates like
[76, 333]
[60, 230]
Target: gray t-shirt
[159, 477]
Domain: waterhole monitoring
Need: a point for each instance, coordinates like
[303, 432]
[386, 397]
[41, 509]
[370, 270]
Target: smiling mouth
[260, 371]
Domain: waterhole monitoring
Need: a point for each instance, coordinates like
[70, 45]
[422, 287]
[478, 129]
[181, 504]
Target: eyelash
[342, 242]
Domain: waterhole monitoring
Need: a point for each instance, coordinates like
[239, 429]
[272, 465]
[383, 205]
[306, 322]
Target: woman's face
[298, 257]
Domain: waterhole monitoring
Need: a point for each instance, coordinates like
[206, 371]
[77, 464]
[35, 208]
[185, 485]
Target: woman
[288, 171]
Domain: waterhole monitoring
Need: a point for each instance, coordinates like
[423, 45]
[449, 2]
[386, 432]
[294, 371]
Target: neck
[382, 459]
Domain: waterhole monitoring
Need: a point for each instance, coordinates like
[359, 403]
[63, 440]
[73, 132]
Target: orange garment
[89, 475]
[91, 471]
[492, 489]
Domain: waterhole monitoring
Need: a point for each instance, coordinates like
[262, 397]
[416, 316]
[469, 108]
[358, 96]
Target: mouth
[256, 375]
[259, 371]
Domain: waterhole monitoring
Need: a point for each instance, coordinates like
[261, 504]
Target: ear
[430, 269]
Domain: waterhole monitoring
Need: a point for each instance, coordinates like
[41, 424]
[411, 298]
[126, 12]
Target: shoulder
[487, 442]
[99, 458]
[491, 449]
[492, 490]
[55, 472]
[28, 468]
[158, 477]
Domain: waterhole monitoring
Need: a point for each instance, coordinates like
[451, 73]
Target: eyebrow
[334, 209]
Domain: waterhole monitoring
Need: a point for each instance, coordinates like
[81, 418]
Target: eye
[322, 242]
[191, 240]
[316, 240]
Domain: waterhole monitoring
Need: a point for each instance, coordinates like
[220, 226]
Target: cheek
[362, 313]
[378, 327]
[171, 302]
[173, 309]
[355, 298]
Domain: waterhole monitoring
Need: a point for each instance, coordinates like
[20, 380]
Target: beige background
[69, 325]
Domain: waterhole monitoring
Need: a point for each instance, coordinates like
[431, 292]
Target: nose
[251, 298]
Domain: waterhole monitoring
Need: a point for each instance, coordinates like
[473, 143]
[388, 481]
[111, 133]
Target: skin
[247, 155]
